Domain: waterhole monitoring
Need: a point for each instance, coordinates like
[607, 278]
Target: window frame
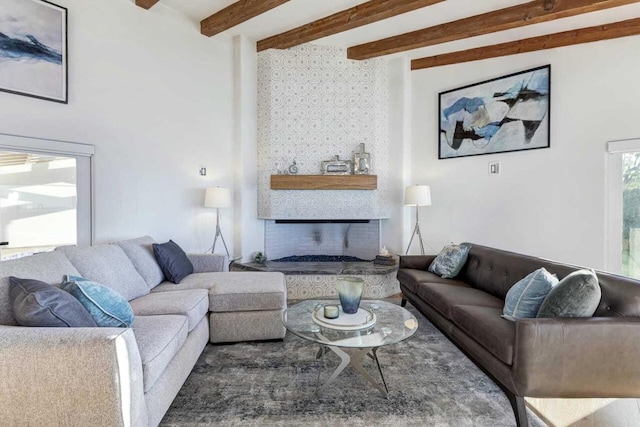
[613, 211]
[84, 155]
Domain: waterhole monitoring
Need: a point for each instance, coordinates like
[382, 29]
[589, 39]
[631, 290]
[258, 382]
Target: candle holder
[331, 311]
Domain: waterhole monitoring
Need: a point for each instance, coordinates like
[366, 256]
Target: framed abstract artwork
[504, 114]
[33, 49]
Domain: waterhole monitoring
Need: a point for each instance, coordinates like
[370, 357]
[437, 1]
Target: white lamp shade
[217, 197]
[417, 195]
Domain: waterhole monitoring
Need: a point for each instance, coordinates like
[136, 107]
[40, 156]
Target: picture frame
[33, 49]
[500, 115]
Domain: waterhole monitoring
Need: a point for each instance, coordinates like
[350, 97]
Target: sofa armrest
[70, 376]
[207, 263]
[577, 357]
[418, 262]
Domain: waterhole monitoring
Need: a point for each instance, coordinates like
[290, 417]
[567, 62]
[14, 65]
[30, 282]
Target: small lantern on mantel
[361, 161]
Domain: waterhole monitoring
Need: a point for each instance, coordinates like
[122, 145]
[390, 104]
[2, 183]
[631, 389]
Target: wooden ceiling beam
[530, 13]
[146, 4]
[627, 28]
[362, 14]
[235, 14]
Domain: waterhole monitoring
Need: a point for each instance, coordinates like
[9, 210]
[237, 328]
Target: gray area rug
[431, 383]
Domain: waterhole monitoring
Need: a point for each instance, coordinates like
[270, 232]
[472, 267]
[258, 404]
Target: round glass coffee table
[392, 325]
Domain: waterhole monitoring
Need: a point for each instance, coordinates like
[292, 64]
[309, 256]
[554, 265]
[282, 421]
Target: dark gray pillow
[37, 303]
[577, 295]
[172, 261]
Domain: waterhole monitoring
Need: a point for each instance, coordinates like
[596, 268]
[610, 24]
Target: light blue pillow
[526, 296]
[107, 307]
[450, 261]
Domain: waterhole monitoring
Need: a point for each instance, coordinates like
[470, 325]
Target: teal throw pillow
[577, 295]
[526, 296]
[450, 261]
[107, 307]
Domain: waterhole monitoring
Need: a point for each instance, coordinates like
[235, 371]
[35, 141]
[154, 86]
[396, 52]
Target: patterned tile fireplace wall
[313, 104]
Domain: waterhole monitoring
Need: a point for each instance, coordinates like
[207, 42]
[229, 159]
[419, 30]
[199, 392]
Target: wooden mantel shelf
[324, 182]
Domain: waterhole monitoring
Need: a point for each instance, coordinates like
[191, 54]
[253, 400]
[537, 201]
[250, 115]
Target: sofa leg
[519, 409]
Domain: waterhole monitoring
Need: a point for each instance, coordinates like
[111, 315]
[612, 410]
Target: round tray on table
[362, 319]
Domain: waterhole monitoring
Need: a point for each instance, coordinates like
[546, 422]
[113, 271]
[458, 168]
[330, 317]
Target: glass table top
[393, 324]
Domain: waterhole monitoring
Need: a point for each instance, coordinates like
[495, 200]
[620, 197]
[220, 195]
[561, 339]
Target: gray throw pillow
[172, 260]
[36, 303]
[450, 261]
[577, 295]
[525, 297]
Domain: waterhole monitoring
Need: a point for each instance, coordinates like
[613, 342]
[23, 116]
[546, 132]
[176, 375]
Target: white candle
[331, 311]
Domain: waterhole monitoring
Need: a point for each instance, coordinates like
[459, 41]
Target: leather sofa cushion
[159, 339]
[485, 326]
[619, 296]
[443, 297]
[496, 271]
[194, 304]
[410, 278]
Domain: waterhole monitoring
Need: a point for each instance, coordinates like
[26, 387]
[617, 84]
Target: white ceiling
[298, 12]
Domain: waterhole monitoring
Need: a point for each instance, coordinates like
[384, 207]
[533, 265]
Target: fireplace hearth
[314, 253]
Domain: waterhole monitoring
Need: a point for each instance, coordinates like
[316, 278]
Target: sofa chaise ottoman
[126, 376]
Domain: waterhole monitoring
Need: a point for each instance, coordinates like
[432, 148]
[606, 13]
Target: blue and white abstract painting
[509, 113]
[33, 49]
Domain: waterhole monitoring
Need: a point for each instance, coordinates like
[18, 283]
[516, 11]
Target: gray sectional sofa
[126, 376]
[569, 357]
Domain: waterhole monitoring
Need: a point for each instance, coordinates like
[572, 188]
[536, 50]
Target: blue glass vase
[350, 292]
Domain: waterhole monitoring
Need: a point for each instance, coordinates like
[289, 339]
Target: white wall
[249, 230]
[156, 99]
[548, 202]
[395, 232]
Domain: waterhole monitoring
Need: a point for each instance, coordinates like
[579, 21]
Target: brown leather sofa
[594, 357]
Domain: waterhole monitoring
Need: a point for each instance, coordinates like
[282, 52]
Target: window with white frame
[45, 195]
[623, 213]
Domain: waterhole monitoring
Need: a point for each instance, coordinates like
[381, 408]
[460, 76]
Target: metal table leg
[353, 357]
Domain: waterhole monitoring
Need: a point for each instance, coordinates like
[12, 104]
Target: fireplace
[323, 240]
[324, 221]
[346, 238]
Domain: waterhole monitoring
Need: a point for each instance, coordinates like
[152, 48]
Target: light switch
[494, 168]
